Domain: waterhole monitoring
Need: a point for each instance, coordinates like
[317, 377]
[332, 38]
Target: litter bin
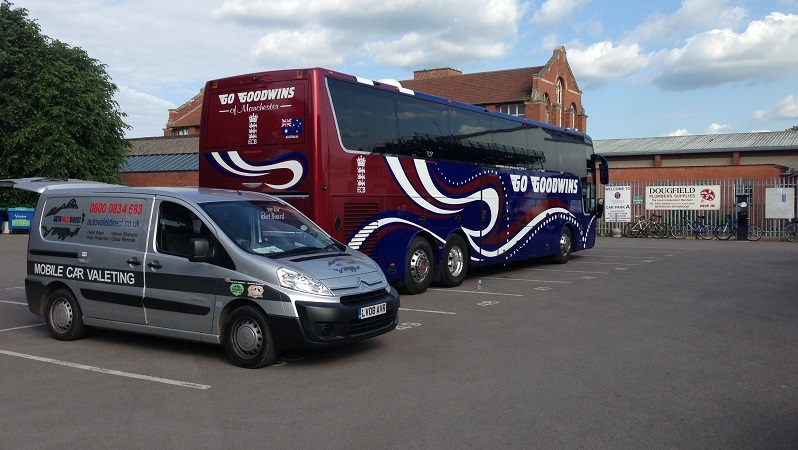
[20, 219]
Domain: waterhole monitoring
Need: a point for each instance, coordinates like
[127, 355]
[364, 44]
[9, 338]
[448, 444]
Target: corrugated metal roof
[165, 145]
[188, 162]
[699, 143]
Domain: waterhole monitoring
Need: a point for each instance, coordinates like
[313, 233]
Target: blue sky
[645, 68]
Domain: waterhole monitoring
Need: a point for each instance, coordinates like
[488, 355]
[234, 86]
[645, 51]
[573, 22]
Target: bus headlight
[297, 281]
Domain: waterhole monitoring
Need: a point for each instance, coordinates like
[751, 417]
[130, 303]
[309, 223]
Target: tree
[793, 128]
[58, 117]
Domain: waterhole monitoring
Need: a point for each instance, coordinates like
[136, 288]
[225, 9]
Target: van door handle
[134, 261]
[155, 265]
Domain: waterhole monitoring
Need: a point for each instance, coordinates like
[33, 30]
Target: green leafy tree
[793, 128]
[58, 117]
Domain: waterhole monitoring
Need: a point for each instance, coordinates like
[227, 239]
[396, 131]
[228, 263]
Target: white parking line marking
[107, 371]
[477, 292]
[609, 263]
[569, 271]
[426, 311]
[26, 326]
[526, 279]
[13, 303]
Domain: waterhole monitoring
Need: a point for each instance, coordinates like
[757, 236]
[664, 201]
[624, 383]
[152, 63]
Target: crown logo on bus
[253, 118]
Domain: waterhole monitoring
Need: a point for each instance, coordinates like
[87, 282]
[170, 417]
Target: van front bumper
[324, 324]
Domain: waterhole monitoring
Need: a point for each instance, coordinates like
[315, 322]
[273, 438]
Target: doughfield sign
[683, 197]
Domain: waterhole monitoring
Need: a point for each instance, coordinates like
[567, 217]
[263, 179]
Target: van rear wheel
[64, 318]
[248, 338]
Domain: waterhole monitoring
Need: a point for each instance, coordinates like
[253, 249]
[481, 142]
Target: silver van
[241, 269]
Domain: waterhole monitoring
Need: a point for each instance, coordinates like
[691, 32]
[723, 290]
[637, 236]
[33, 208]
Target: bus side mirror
[604, 173]
[599, 208]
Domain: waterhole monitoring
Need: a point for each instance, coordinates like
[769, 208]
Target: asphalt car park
[636, 343]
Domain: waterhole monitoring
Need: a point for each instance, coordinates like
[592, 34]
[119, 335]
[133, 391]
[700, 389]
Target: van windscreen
[268, 228]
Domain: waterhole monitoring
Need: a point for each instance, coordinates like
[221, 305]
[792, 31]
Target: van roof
[73, 186]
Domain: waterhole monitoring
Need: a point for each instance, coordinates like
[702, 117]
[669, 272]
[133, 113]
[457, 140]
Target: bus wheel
[248, 339]
[64, 318]
[455, 262]
[418, 267]
[566, 247]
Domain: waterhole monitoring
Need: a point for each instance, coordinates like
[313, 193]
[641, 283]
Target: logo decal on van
[255, 291]
[236, 289]
[66, 220]
[343, 265]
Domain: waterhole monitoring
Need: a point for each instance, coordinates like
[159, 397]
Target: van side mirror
[599, 208]
[604, 173]
[198, 250]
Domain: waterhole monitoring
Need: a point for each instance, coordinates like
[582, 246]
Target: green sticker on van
[236, 289]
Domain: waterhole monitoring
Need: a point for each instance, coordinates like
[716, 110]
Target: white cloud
[145, 112]
[716, 128]
[679, 132]
[766, 50]
[552, 12]
[325, 32]
[603, 62]
[694, 15]
[787, 108]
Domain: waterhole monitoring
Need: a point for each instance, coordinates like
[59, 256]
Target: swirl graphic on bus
[420, 187]
[283, 173]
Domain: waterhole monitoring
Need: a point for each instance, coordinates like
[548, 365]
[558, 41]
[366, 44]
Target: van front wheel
[248, 339]
[64, 318]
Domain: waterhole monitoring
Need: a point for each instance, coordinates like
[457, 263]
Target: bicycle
[791, 230]
[645, 226]
[729, 229]
[686, 226]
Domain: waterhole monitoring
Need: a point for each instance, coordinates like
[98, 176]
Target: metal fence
[730, 188]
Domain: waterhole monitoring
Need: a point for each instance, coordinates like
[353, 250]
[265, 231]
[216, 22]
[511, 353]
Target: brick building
[185, 119]
[547, 93]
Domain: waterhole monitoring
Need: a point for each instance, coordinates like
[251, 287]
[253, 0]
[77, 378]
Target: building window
[181, 132]
[559, 91]
[573, 115]
[513, 110]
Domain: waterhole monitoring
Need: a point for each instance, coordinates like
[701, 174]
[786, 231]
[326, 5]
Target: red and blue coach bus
[428, 187]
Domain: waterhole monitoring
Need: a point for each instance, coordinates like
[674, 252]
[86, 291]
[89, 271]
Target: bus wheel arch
[565, 245]
[419, 266]
[454, 264]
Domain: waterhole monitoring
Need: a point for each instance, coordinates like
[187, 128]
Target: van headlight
[297, 281]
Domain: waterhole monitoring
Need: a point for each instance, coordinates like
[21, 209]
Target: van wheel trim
[64, 317]
[247, 338]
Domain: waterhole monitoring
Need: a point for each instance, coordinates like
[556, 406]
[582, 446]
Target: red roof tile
[502, 86]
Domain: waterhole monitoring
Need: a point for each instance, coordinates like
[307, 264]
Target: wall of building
[658, 174]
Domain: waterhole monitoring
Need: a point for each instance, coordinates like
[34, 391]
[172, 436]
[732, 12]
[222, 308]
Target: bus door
[518, 215]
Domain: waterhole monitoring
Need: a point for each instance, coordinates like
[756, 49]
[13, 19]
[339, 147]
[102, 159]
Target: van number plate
[373, 310]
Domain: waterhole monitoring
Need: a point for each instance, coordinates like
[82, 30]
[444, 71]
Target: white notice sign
[779, 203]
[618, 203]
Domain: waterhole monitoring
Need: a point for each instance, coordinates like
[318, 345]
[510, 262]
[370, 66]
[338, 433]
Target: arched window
[573, 115]
[559, 91]
[548, 106]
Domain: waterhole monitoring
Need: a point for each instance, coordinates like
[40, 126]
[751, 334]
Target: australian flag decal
[291, 127]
